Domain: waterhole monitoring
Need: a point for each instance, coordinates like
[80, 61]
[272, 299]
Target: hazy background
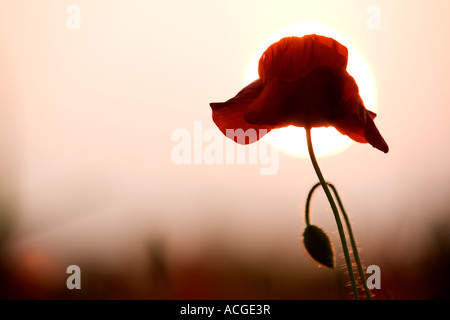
[86, 175]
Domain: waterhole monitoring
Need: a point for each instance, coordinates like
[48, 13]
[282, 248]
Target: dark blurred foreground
[218, 273]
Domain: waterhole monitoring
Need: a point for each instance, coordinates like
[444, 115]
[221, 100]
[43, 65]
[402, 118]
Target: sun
[327, 141]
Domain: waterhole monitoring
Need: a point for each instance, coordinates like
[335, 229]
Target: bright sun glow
[327, 141]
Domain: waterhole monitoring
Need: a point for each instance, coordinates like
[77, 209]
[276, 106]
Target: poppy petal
[293, 58]
[361, 128]
[271, 107]
[355, 120]
[229, 116]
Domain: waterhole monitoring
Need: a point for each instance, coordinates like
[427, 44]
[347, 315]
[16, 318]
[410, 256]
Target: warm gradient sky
[87, 117]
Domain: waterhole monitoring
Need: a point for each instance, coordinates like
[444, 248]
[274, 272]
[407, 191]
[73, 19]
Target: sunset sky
[89, 117]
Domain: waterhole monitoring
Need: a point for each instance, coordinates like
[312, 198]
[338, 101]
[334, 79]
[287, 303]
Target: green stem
[308, 201]
[353, 243]
[349, 229]
[336, 213]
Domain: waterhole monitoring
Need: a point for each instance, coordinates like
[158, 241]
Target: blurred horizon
[87, 176]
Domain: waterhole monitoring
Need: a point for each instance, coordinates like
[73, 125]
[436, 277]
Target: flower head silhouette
[302, 82]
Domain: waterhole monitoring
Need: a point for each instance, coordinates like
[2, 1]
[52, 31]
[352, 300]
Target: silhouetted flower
[302, 82]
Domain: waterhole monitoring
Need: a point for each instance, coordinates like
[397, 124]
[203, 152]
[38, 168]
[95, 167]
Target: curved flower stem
[349, 229]
[336, 213]
[308, 201]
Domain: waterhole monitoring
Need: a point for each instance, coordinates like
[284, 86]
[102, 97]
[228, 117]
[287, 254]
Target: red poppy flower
[302, 82]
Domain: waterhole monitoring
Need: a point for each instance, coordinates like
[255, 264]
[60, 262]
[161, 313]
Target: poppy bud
[318, 245]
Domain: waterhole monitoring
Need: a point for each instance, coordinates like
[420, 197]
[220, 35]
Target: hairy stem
[353, 243]
[349, 230]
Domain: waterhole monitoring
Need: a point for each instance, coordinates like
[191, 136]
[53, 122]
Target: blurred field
[217, 272]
